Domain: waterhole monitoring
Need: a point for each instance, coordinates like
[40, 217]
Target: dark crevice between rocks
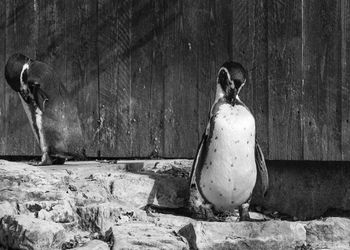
[111, 187]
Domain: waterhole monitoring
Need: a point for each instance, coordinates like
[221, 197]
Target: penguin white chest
[228, 175]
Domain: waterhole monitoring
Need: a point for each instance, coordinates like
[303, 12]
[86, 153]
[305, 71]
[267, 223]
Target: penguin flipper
[197, 159]
[262, 169]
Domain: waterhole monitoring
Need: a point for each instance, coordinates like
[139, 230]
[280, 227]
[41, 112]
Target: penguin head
[16, 73]
[231, 78]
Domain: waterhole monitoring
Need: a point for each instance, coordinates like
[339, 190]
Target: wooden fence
[143, 72]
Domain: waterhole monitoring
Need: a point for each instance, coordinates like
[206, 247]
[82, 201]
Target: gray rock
[100, 217]
[153, 189]
[7, 208]
[26, 232]
[330, 233]
[141, 235]
[94, 245]
[268, 235]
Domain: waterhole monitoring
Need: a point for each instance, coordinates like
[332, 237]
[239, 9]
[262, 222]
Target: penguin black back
[13, 70]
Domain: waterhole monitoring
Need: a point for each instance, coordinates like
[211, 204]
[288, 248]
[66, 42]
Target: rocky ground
[134, 205]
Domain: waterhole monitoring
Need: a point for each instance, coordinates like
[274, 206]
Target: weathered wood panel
[345, 82]
[322, 80]
[114, 21]
[284, 66]
[249, 47]
[82, 67]
[21, 36]
[3, 84]
[143, 73]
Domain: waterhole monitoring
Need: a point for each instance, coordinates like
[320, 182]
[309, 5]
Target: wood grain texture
[143, 73]
[3, 84]
[249, 44]
[172, 78]
[156, 121]
[141, 77]
[322, 76]
[284, 79]
[345, 82]
[20, 24]
[114, 25]
[82, 67]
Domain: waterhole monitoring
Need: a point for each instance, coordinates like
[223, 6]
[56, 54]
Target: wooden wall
[143, 71]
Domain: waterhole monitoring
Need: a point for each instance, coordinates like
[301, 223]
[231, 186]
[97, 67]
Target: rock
[100, 217]
[268, 235]
[169, 221]
[94, 245]
[26, 232]
[61, 212]
[7, 208]
[141, 235]
[153, 189]
[329, 233]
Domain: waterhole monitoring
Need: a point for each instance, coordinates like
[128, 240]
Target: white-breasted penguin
[52, 114]
[229, 158]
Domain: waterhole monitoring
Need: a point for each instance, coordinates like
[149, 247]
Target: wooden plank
[172, 78]
[2, 79]
[148, 78]
[345, 83]
[180, 130]
[322, 74]
[207, 59]
[141, 75]
[114, 67]
[249, 43]
[284, 79]
[50, 33]
[156, 120]
[82, 67]
[187, 104]
[21, 24]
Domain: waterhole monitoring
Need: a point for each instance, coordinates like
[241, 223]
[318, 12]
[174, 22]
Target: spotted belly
[228, 174]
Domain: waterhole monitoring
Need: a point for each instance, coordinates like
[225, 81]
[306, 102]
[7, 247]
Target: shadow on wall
[304, 189]
[307, 189]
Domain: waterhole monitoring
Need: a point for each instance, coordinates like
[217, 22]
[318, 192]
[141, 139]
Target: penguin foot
[202, 212]
[45, 160]
[227, 216]
[58, 160]
[244, 212]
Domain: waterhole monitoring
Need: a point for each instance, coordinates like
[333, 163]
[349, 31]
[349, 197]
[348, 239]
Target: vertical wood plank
[21, 24]
[187, 102]
[249, 43]
[172, 78]
[206, 30]
[156, 121]
[114, 67]
[322, 87]
[284, 79]
[141, 75]
[50, 34]
[82, 67]
[345, 83]
[2, 79]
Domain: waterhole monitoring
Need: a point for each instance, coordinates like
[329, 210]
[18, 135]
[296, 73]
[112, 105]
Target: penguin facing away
[52, 114]
[228, 158]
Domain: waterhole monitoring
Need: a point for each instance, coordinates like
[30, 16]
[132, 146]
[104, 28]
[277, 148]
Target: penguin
[53, 116]
[229, 159]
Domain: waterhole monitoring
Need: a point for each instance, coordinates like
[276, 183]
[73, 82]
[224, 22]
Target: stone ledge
[79, 203]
